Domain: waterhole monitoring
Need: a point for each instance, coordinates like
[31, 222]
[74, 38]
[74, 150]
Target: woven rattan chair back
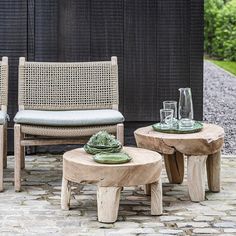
[68, 86]
[4, 83]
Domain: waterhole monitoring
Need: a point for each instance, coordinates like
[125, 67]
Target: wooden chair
[65, 103]
[3, 116]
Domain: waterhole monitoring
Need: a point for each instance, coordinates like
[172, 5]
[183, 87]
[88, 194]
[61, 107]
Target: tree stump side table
[144, 168]
[202, 148]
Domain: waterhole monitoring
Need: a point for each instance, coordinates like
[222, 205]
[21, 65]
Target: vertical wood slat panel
[140, 60]
[173, 48]
[30, 30]
[46, 30]
[196, 25]
[107, 36]
[74, 30]
[13, 43]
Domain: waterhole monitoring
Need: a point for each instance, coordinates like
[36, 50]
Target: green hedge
[220, 29]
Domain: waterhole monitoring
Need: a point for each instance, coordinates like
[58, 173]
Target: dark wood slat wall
[107, 35]
[74, 30]
[30, 30]
[196, 55]
[13, 44]
[140, 60]
[159, 44]
[46, 30]
[173, 48]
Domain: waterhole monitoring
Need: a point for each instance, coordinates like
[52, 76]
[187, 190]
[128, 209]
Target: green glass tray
[197, 127]
[112, 158]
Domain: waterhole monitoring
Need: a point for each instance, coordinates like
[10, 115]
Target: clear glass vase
[185, 108]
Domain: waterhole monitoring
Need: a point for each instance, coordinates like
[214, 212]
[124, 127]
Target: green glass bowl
[112, 158]
[197, 127]
[101, 149]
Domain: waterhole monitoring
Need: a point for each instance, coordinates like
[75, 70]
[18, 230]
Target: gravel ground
[219, 102]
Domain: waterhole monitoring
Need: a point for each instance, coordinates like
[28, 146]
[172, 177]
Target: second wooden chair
[3, 116]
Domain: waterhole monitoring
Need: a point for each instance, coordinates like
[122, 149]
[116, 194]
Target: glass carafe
[185, 108]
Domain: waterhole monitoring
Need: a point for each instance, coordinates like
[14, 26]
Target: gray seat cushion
[69, 118]
[3, 117]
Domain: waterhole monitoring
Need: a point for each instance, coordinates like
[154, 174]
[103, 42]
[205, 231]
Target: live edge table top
[145, 167]
[208, 141]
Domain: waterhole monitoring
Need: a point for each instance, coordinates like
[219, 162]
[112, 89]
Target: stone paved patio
[36, 210]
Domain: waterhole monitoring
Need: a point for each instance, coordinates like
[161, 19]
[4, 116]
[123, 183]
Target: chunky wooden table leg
[196, 177]
[108, 199]
[156, 198]
[65, 194]
[213, 171]
[175, 167]
[147, 189]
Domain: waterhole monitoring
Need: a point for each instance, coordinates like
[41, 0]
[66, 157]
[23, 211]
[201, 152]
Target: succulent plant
[102, 142]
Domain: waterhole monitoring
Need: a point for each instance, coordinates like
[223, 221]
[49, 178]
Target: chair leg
[120, 133]
[18, 156]
[22, 153]
[5, 147]
[1, 156]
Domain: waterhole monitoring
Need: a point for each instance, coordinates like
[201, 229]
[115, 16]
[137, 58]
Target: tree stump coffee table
[144, 168]
[202, 148]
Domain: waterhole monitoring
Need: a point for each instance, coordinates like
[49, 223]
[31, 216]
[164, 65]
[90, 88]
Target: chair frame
[35, 135]
[3, 128]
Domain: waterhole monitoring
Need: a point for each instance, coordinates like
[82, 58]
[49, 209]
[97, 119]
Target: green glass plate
[112, 158]
[197, 127]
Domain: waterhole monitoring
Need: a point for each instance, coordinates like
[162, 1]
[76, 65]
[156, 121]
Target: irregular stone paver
[36, 210]
[192, 224]
[233, 230]
[206, 231]
[170, 218]
[225, 225]
[171, 231]
[203, 218]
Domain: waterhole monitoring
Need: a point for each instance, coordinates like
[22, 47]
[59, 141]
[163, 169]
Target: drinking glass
[166, 118]
[171, 105]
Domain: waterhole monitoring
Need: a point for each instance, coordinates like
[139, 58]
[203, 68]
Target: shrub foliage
[220, 29]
